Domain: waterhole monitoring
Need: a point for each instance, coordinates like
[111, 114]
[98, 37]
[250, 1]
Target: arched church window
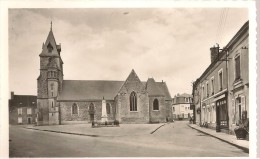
[91, 107]
[155, 104]
[133, 101]
[74, 108]
[108, 108]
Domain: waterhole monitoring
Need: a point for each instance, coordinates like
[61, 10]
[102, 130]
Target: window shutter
[237, 63]
[243, 105]
[244, 64]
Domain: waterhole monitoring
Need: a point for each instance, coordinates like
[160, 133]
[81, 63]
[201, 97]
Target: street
[171, 140]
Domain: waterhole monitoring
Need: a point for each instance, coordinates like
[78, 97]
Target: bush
[116, 122]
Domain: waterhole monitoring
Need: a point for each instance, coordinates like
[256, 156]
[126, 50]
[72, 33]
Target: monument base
[104, 119]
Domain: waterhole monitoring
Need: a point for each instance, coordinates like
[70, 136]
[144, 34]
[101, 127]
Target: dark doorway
[29, 120]
[91, 117]
[91, 112]
[221, 114]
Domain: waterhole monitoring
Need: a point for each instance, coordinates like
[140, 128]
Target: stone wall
[168, 105]
[123, 99]
[66, 115]
[43, 111]
[157, 116]
[42, 85]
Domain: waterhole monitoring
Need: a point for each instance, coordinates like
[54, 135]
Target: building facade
[181, 106]
[221, 92]
[22, 109]
[62, 101]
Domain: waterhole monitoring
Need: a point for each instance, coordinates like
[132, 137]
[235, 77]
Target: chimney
[12, 95]
[214, 51]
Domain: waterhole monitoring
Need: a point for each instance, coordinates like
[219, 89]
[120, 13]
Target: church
[62, 101]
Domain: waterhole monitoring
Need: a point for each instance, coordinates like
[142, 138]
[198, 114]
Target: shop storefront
[221, 112]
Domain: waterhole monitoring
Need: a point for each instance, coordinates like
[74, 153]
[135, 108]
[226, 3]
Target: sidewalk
[231, 139]
[87, 130]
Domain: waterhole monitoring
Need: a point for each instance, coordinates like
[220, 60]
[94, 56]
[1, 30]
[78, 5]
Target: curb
[245, 149]
[64, 132]
[157, 128]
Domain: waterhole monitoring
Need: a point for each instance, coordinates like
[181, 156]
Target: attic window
[50, 48]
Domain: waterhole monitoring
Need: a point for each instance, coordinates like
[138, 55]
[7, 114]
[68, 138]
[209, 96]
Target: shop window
[240, 107]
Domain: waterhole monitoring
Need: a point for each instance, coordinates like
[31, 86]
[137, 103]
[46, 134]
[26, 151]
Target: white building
[181, 106]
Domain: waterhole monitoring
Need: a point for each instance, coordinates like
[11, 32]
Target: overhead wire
[222, 24]
[219, 24]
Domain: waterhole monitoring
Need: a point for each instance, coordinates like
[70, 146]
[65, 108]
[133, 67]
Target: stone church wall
[168, 106]
[42, 86]
[133, 84]
[157, 116]
[43, 111]
[139, 116]
[83, 115]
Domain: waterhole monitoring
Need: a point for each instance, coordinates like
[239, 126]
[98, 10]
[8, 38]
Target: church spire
[50, 48]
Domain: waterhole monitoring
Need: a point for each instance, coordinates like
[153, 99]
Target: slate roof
[164, 89]
[97, 89]
[89, 89]
[23, 101]
[154, 88]
[50, 39]
[185, 95]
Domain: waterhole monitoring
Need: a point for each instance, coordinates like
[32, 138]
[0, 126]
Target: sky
[169, 44]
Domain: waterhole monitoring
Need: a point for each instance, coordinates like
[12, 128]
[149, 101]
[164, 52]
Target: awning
[219, 97]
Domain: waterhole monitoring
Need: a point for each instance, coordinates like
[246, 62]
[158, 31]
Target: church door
[91, 112]
[29, 120]
[91, 117]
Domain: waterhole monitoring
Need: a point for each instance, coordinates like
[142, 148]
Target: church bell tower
[49, 82]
